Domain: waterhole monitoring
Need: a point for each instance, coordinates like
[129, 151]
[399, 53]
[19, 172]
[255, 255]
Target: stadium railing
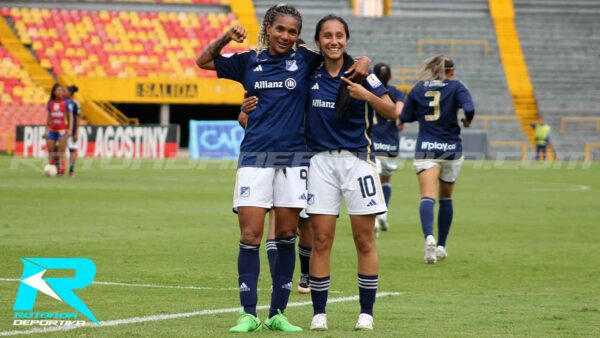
[577, 119]
[453, 43]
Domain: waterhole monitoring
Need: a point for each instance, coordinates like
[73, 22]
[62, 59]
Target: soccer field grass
[524, 258]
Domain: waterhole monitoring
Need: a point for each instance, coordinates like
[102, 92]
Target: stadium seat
[120, 44]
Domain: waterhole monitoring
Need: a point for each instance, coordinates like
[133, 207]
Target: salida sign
[153, 141]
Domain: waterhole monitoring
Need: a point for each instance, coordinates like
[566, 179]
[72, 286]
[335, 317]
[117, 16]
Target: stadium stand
[418, 29]
[21, 100]
[561, 43]
[119, 44]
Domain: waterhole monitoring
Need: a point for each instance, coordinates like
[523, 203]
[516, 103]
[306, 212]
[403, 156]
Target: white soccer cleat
[319, 322]
[304, 285]
[382, 222]
[440, 253]
[365, 322]
[430, 250]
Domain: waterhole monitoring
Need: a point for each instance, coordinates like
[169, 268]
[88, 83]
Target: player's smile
[283, 34]
[332, 40]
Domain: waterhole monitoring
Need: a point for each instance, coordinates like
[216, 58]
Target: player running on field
[434, 102]
[272, 165]
[338, 131]
[386, 142]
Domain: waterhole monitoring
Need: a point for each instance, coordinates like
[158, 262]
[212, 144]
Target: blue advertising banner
[215, 139]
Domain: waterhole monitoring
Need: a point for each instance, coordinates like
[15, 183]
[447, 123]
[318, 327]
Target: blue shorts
[55, 135]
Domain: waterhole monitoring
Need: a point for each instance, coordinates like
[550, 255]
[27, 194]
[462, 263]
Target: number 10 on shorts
[367, 186]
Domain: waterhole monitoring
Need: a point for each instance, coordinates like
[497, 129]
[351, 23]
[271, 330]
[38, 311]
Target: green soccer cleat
[280, 323]
[247, 323]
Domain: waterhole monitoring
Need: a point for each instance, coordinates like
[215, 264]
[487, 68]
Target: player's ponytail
[435, 68]
[343, 101]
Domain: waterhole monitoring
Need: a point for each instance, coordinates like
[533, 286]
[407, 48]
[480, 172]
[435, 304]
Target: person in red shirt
[58, 127]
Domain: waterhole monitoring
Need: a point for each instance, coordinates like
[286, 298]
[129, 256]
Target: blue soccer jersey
[435, 104]
[385, 132]
[75, 107]
[324, 130]
[274, 134]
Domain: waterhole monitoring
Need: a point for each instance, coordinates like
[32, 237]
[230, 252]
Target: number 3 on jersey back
[435, 104]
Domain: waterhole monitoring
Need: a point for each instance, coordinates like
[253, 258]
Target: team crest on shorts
[290, 65]
[310, 199]
[244, 191]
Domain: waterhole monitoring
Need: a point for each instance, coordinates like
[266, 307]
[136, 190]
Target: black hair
[73, 89]
[269, 18]
[383, 72]
[52, 96]
[343, 100]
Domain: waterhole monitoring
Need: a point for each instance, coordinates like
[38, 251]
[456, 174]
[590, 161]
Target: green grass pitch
[524, 258]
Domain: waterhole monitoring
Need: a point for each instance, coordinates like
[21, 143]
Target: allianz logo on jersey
[323, 104]
[437, 146]
[289, 83]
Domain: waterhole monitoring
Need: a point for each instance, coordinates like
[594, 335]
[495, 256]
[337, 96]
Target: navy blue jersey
[385, 132]
[435, 105]
[75, 107]
[324, 131]
[274, 134]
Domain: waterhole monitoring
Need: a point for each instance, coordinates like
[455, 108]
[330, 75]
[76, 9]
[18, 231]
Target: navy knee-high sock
[319, 290]
[445, 214]
[272, 256]
[367, 291]
[304, 254]
[387, 192]
[284, 271]
[248, 271]
[426, 213]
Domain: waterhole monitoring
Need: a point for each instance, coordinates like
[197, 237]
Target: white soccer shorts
[449, 168]
[335, 175]
[268, 187]
[386, 165]
[72, 144]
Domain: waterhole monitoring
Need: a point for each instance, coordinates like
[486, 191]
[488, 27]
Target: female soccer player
[304, 226]
[58, 127]
[75, 108]
[272, 164]
[338, 131]
[386, 142]
[434, 102]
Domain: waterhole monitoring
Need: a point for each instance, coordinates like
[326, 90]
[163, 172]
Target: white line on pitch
[153, 318]
[155, 286]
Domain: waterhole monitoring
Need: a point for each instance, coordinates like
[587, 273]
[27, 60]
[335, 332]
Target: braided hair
[269, 18]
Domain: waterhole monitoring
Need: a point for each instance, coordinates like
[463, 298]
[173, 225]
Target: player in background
[542, 139]
[434, 102]
[304, 227]
[75, 108]
[338, 133]
[272, 165]
[386, 142]
[58, 127]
